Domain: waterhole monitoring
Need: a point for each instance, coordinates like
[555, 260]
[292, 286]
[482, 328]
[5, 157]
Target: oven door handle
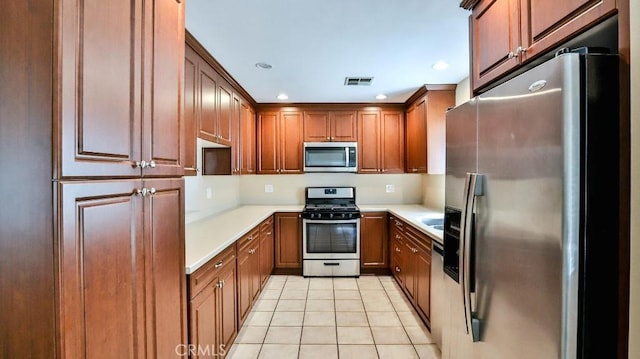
[332, 221]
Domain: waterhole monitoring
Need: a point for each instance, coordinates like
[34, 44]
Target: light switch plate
[268, 188]
[390, 188]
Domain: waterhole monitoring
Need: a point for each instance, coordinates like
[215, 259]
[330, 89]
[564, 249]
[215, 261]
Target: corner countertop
[207, 237]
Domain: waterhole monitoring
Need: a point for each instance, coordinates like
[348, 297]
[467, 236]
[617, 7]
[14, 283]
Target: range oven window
[331, 237]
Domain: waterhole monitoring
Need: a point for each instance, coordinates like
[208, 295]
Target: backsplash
[370, 188]
[433, 191]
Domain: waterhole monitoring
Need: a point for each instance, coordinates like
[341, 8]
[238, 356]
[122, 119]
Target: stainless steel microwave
[330, 156]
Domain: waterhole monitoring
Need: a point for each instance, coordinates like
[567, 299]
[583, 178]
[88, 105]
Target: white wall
[463, 91]
[634, 315]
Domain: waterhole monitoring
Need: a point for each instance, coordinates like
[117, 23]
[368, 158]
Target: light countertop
[207, 237]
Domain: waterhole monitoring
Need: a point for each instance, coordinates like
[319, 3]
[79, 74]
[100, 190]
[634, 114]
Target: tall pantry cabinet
[92, 234]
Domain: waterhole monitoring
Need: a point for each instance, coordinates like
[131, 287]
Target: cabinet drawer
[249, 239]
[397, 224]
[419, 238]
[201, 277]
[267, 226]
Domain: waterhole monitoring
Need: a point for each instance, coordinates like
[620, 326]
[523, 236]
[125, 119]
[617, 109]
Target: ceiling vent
[358, 81]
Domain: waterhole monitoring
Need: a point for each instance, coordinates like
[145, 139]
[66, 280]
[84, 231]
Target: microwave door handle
[346, 156]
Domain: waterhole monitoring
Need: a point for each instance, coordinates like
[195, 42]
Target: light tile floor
[366, 317]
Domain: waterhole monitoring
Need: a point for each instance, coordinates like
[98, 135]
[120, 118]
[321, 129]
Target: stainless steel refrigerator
[531, 217]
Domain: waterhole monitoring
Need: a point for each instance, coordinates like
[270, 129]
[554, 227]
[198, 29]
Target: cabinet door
[495, 35]
[392, 142]
[545, 23]
[267, 142]
[203, 320]
[165, 271]
[227, 301]
[344, 126]
[409, 267]
[245, 274]
[266, 251]
[437, 104]
[225, 113]
[208, 94]
[398, 256]
[369, 142]
[416, 137]
[101, 251]
[236, 142]
[290, 137]
[248, 139]
[317, 126]
[374, 241]
[288, 240]
[99, 133]
[163, 125]
[423, 282]
[190, 111]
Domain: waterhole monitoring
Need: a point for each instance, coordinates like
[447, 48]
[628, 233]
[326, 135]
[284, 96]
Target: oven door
[331, 239]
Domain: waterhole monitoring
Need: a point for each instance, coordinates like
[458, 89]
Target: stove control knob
[343, 215]
[330, 215]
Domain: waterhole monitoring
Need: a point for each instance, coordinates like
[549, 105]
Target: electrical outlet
[268, 188]
[209, 193]
[390, 188]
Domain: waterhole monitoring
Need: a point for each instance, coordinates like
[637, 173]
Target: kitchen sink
[435, 223]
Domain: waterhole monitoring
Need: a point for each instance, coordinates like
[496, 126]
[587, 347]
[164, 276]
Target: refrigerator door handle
[461, 248]
[473, 189]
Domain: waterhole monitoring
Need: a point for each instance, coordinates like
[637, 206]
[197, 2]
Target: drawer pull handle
[398, 236]
[331, 264]
[218, 265]
[397, 269]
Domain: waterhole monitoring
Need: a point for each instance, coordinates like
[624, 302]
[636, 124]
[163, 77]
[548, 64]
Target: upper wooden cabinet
[508, 33]
[236, 141]
[380, 142]
[425, 128]
[326, 126]
[190, 111]
[247, 138]
[120, 108]
[280, 142]
[216, 107]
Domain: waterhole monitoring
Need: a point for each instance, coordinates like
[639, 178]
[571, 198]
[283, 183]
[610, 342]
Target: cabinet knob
[250, 238]
[152, 191]
[328, 138]
[151, 164]
[520, 50]
[511, 55]
[141, 164]
[397, 269]
[397, 249]
[218, 265]
[140, 192]
[398, 236]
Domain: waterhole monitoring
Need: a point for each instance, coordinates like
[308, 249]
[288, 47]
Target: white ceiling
[314, 44]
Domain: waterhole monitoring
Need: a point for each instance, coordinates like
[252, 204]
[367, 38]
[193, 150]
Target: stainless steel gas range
[331, 232]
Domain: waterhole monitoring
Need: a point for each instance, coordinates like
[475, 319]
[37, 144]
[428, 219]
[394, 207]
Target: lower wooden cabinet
[212, 307]
[374, 240]
[288, 227]
[248, 272]
[266, 250]
[122, 276]
[411, 264]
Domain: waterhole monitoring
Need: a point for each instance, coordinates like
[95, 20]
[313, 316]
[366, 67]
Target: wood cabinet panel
[165, 277]
[266, 250]
[546, 23]
[248, 272]
[317, 126]
[267, 143]
[288, 240]
[208, 100]
[101, 272]
[248, 139]
[190, 111]
[369, 142]
[236, 141]
[423, 282]
[100, 110]
[227, 298]
[344, 126]
[163, 122]
[203, 318]
[374, 240]
[416, 142]
[392, 142]
[225, 113]
[291, 138]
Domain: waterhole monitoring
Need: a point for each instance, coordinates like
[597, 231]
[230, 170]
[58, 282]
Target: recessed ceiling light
[381, 97]
[282, 96]
[440, 65]
[263, 65]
